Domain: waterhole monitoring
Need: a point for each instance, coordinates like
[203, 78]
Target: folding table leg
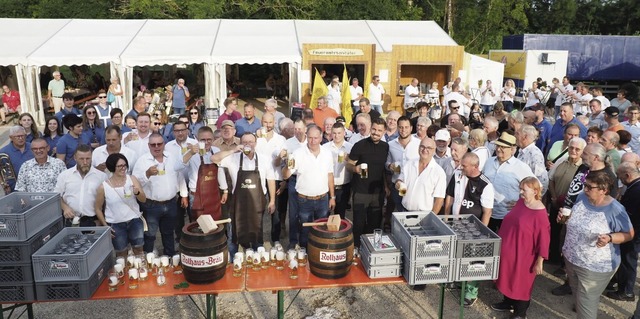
[441, 307]
[462, 292]
[211, 306]
[280, 304]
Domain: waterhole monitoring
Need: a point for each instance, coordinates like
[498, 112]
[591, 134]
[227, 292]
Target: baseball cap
[227, 123]
[443, 135]
[612, 111]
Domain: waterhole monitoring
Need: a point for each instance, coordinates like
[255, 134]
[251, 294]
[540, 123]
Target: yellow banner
[515, 62]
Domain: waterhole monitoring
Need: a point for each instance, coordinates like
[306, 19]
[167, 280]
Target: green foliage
[479, 25]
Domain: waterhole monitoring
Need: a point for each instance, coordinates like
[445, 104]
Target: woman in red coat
[525, 244]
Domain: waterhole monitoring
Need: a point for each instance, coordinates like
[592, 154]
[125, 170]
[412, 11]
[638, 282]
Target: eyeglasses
[155, 144]
[590, 187]
[38, 149]
[180, 130]
[206, 140]
[91, 113]
[102, 97]
[422, 148]
[121, 166]
[193, 113]
[183, 122]
[19, 136]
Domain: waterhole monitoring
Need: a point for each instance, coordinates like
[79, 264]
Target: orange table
[279, 280]
[149, 288]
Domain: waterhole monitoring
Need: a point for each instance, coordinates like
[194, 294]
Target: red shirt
[12, 101]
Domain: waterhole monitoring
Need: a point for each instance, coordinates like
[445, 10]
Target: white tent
[390, 33]
[478, 68]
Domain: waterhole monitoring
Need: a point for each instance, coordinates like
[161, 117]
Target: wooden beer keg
[330, 252]
[204, 257]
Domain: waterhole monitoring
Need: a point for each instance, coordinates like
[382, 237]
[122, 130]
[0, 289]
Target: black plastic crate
[21, 273]
[74, 290]
[23, 215]
[12, 253]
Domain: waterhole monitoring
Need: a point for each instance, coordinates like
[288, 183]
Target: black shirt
[577, 184]
[471, 202]
[631, 202]
[375, 155]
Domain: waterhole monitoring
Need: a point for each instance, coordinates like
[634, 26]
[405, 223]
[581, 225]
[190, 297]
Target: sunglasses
[155, 144]
[121, 166]
[158, 114]
[193, 113]
[156, 123]
[183, 122]
[455, 108]
[102, 97]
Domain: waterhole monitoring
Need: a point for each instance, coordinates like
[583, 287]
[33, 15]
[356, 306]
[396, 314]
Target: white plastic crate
[382, 271]
[433, 271]
[51, 266]
[423, 236]
[485, 243]
[390, 254]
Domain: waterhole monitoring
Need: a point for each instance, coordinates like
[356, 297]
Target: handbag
[110, 97]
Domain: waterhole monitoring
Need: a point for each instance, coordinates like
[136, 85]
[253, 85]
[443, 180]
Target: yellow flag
[366, 82]
[319, 89]
[347, 111]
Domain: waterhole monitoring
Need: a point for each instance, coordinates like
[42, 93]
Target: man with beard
[113, 139]
[77, 188]
[39, 174]
[249, 123]
[443, 152]
[401, 150]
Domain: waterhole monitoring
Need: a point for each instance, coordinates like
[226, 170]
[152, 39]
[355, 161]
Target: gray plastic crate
[74, 290]
[422, 236]
[390, 255]
[382, 271]
[468, 269]
[48, 266]
[23, 215]
[20, 273]
[17, 292]
[434, 271]
[12, 253]
[474, 247]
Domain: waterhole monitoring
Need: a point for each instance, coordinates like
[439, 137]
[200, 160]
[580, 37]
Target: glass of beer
[265, 261]
[133, 278]
[183, 148]
[246, 150]
[113, 280]
[364, 170]
[201, 146]
[237, 267]
[341, 156]
[164, 261]
[397, 168]
[161, 280]
[280, 260]
[160, 167]
[143, 272]
[256, 261]
[302, 256]
[402, 190]
[377, 238]
[272, 256]
[291, 162]
[177, 268]
[565, 214]
[293, 269]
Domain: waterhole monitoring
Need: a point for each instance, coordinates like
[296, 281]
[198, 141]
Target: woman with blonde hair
[525, 234]
[115, 94]
[507, 94]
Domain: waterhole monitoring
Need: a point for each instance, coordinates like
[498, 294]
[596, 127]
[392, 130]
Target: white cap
[442, 135]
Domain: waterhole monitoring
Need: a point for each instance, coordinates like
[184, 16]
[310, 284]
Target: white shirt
[422, 188]
[487, 98]
[582, 106]
[462, 101]
[232, 163]
[400, 155]
[80, 193]
[313, 171]
[531, 97]
[161, 187]
[176, 149]
[194, 165]
[140, 146]
[355, 91]
[505, 96]
[444, 159]
[604, 101]
[408, 99]
[270, 149]
[562, 97]
[341, 175]
[334, 98]
[483, 155]
[100, 155]
[375, 93]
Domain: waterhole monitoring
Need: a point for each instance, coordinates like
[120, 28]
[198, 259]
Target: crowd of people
[518, 171]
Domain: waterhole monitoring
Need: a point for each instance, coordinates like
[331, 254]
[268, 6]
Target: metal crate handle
[433, 245]
[432, 269]
[479, 265]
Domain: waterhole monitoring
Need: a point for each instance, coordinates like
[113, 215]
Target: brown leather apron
[248, 207]
[206, 198]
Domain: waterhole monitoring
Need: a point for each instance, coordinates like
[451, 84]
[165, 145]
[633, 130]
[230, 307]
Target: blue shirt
[90, 135]
[17, 158]
[544, 130]
[67, 145]
[391, 137]
[52, 142]
[242, 125]
[557, 131]
[194, 127]
[179, 97]
[133, 113]
[506, 179]
[64, 112]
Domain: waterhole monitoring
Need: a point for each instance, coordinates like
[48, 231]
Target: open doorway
[353, 70]
[426, 75]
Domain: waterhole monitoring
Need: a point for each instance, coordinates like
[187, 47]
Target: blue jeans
[508, 106]
[377, 107]
[125, 233]
[486, 108]
[160, 216]
[294, 221]
[397, 200]
[178, 110]
[310, 210]
[626, 275]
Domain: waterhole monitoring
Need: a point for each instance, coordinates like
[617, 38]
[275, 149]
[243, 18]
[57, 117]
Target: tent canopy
[390, 33]
[86, 42]
[24, 36]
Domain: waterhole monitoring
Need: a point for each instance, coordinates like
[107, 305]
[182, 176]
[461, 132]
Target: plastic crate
[23, 215]
[434, 271]
[468, 269]
[381, 271]
[20, 252]
[390, 255]
[489, 246]
[18, 292]
[48, 266]
[74, 290]
[423, 236]
[16, 273]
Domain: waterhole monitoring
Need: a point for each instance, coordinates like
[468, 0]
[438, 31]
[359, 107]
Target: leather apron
[206, 198]
[248, 207]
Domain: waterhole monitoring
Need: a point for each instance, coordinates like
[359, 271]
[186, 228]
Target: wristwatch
[333, 197]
